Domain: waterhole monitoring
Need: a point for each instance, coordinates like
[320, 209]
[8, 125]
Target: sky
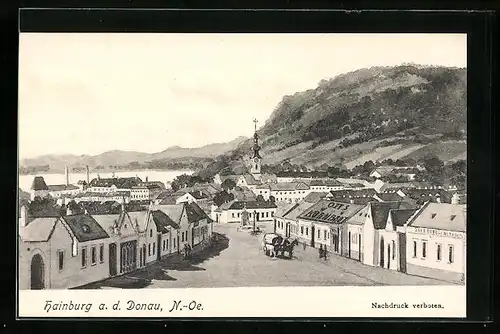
[91, 93]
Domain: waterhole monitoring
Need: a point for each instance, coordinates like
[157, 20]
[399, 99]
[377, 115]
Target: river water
[164, 176]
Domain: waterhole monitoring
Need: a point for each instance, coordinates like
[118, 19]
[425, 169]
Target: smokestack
[88, 174]
[66, 172]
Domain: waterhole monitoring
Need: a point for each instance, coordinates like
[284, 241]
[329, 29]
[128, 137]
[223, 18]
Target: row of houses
[131, 188]
[427, 240]
[71, 250]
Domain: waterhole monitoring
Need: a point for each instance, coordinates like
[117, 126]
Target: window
[101, 253]
[414, 249]
[174, 243]
[438, 250]
[451, 256]
[307, 230]
[424, 249]
[319, 234]
[84, 257]
[324, 235]
[393, 249]
[94, 259]
[149, 249]
[60, 256]
[302, 230]
[163, 245]
[272, 214]
[433, 215]
[151, 233]
[154, 247]
[166, 247]
[232, 214]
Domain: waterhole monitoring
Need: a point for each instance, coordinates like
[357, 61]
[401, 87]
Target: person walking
[320, 251]
[324, 253]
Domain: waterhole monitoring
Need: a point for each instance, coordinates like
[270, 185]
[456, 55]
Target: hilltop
[174, 157]
[377, 113]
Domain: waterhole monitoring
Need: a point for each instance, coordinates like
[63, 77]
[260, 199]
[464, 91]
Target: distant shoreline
[53, 172]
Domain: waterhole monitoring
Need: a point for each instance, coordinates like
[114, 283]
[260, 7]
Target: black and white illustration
[157, 161]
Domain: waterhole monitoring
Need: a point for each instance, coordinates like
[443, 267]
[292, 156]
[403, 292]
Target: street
[238, 261]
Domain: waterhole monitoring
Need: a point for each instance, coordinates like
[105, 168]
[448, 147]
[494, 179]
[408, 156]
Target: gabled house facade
[61, 252]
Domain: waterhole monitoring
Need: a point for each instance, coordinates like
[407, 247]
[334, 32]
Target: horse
[286, 246]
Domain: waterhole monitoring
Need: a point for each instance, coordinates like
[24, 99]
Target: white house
[61, 252]
[436, 242]
[289, 192]
[279, 218]
[324, 223]
[392, 244]
[231, 212]
[124, 233]
[363, 231]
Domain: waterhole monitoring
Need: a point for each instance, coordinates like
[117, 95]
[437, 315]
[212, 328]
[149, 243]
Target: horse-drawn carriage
[275, 245]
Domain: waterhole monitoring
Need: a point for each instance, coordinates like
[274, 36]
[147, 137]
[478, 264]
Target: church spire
[256, 147]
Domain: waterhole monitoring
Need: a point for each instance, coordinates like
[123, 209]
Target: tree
[433, 165]
[272, 199]
[260, 198]
[228, 184]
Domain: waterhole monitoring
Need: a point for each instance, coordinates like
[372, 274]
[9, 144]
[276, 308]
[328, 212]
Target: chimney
[88, 174]
[66, 172]
[23, 216]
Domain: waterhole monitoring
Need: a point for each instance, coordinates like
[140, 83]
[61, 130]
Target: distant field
[380, 153]
[445, 151]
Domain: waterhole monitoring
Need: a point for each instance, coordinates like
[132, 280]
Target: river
[164, 176]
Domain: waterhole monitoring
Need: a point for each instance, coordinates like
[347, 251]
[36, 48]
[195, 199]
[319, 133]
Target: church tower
[255, 159]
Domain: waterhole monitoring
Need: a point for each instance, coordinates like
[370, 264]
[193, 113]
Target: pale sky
[91, 93]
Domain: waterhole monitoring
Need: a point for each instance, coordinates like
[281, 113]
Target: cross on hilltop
[255, 121]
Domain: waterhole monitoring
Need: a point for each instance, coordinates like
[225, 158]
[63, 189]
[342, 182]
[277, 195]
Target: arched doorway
[388, 255]
[382, 248]
[37, 273]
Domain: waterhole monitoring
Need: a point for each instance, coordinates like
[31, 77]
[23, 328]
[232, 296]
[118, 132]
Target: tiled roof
[164, 194]
[315, 196]
[174, 211]
[282, 210]
[85, 228]
[389, 197]
[121, 183]
[330, 212]
[38, 230]
[400, 217]
[39, 184]
[442, 216]
[62, 187]
[380, 212]
[350, 193]
[325, 183]
[239, 205]
[198, 194]
[298, 210]
[107, 221]
[168, 201]
[354, 200]
[163, 221]
[195, 213]
[250, 180]
[288, 186]
[428, 194]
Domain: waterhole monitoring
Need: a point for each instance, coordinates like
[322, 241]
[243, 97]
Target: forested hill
[369, 114]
